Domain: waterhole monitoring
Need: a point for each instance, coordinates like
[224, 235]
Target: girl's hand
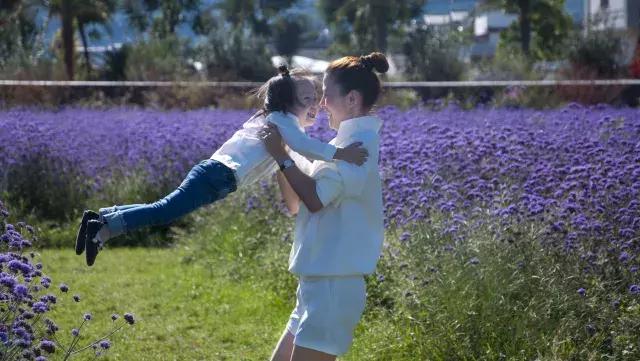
[272, 141]
[353, 153]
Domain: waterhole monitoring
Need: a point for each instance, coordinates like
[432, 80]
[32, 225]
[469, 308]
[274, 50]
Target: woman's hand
[273, 142]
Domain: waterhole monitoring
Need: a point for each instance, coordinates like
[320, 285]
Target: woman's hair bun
[283, 70]
[375, 61]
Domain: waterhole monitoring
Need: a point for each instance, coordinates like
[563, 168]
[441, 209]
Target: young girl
[242, 160]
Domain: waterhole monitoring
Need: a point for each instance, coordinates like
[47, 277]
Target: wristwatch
[287, 163]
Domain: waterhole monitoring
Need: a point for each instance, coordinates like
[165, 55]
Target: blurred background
[242, 40]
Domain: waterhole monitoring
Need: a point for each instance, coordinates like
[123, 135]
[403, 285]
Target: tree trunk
[525, 24]
[382, 13]
[83, 36]
[67, 37]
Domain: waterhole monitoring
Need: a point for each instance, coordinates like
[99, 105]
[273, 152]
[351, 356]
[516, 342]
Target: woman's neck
[358, 114]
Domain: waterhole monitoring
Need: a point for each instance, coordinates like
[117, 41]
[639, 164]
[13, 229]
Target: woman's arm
[303, 185]
[290, 197]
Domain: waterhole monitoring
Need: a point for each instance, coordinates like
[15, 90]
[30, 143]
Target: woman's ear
[354, 99]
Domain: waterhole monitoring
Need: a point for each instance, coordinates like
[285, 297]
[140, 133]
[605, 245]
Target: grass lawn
[183, 310]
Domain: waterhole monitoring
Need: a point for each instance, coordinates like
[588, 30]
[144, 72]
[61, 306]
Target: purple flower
[634, 289]
[87, 317]
[48, 346]
[8, 281]
[40, 307]
[64, 287]
[105, 344]
[75, 332]
[624, 257]
[20, 290]
[114, 316]
[129, 318]
[76, 298]
[615, 304]
[582, 292]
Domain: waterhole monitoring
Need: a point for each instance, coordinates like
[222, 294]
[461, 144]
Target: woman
[339, 224]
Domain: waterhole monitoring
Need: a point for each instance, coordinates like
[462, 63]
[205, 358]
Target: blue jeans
[207, 182]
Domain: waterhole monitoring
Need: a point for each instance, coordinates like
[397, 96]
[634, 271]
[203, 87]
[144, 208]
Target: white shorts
[327, 311]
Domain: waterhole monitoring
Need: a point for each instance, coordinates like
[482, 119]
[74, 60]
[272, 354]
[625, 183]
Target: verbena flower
[582, 292]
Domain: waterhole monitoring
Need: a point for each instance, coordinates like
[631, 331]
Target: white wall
[615, 16]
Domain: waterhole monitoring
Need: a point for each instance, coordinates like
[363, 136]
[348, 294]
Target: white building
[617, 14]
[621, 15]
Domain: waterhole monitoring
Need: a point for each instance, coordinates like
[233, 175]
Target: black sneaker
[82, 231]
[92, 243]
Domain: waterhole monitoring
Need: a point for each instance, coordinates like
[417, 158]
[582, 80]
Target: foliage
[287, 35]
[171, 13]
[157, 59]
[597, 50]
[433, 55]
[360, 26]
[236, 54]
[540, 30]
[18, 32]
[78, 13]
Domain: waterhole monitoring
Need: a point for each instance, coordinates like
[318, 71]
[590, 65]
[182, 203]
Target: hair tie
[284, 71]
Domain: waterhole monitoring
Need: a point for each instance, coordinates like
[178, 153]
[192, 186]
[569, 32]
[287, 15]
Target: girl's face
[306, 107]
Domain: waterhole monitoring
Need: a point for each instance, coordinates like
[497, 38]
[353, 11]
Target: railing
[401, 84]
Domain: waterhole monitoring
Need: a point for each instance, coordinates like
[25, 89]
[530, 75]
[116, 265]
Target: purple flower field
[575, 172]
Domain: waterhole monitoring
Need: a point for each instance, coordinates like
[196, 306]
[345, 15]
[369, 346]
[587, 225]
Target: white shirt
[345, 236]
[245, 153]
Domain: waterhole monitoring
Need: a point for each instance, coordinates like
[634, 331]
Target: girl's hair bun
[375, 61]
[283, 70]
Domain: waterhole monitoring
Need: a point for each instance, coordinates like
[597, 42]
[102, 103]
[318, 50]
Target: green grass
[183, 310]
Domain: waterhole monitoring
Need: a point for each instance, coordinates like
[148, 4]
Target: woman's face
[333, 102]
[307, 102]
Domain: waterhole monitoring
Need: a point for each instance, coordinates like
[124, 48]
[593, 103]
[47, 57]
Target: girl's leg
[306, 354]
[207, 182]
[107, 210]
[284, 348]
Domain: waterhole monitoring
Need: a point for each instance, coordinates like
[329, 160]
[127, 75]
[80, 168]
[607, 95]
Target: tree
[286, 36]
[252, 13]
[543, 21]
[171, 14]
[365, 25]
[78, 13]
[18, 30]
[432, 54]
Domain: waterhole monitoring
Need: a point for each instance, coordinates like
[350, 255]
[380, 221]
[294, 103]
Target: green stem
[100, 339]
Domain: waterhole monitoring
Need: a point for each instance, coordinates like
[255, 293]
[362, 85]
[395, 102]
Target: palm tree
[82, 13]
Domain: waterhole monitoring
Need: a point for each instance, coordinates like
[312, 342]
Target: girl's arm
[289, 195]
[313, 148]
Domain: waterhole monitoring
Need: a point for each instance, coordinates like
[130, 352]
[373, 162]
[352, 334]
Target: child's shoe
[82, 231]
[93, 243]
